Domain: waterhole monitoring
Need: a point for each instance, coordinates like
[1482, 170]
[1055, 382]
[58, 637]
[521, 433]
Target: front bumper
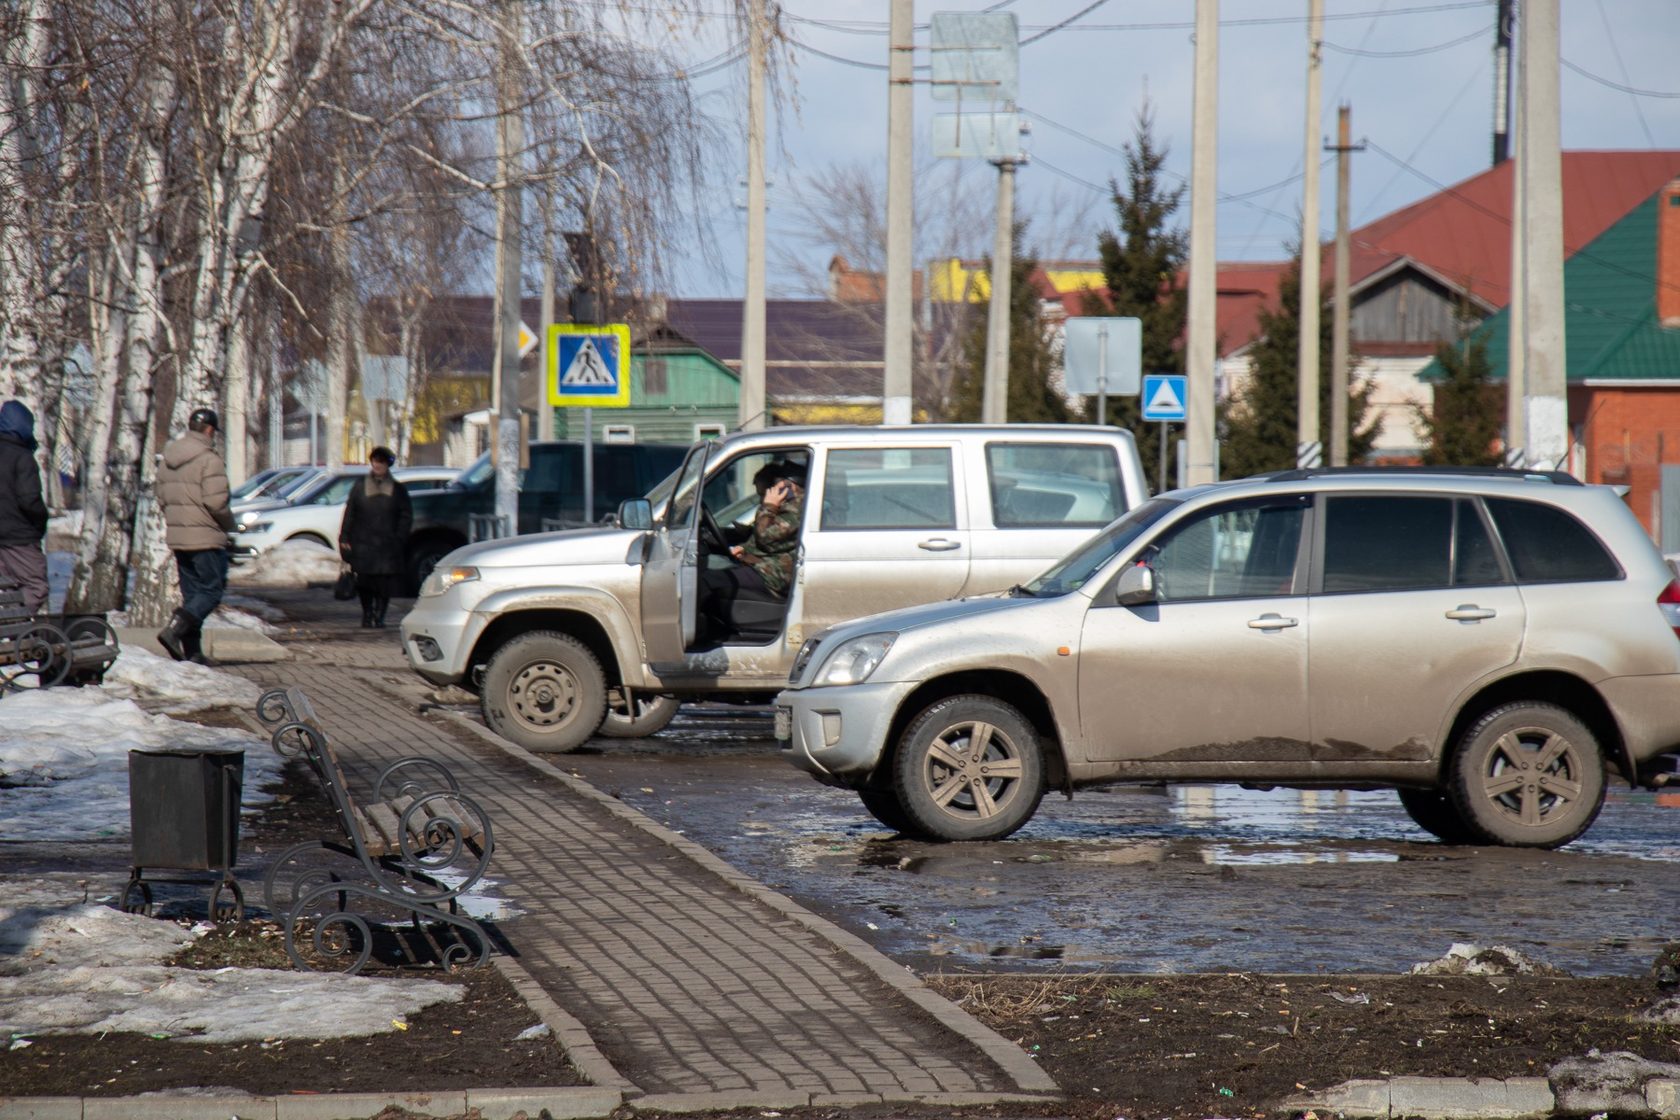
[839, 733]
[438, 639]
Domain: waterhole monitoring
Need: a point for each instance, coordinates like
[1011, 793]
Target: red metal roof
[1463, 233]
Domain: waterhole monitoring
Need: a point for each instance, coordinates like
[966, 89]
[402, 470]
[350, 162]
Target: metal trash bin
[183, 808]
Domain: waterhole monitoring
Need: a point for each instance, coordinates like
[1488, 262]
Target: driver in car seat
[764, 561]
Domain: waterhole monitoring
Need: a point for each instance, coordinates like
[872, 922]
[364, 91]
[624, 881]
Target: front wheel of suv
[1529, 775]
[544, 691]
[969, 768]
[1435, 813]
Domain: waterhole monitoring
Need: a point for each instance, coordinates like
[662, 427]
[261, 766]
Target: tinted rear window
[1548, 545]
[1387, 543]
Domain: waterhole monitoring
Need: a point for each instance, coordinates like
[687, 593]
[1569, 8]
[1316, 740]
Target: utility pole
[1516, 369]
[1309, 449]
[1502, 80]
[1340, 312]
[510, 142]
[751, 412]
[897, 359]
[1204, 290]
[994, 406]
[1540, 166]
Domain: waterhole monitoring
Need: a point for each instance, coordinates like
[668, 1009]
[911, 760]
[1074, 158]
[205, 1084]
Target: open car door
[671, 572]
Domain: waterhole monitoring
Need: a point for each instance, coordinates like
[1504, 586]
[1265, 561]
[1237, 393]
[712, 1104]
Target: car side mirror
[1136, 586]
[635, 513]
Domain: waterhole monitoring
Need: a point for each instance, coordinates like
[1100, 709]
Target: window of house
[709, 431]
[618, 433]
[655, 376]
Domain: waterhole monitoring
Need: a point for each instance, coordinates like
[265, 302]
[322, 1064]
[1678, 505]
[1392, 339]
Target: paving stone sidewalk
[690, 978]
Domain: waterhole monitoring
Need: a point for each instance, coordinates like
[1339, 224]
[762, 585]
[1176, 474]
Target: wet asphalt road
[1148, 879]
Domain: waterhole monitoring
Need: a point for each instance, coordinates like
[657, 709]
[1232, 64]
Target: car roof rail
[1300, 474]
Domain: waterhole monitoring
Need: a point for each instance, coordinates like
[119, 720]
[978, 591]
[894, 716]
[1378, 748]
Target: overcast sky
[1418, 75]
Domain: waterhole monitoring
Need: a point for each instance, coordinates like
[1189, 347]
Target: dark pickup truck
[550, 494]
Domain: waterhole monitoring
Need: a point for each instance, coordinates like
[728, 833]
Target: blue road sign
[1164, 396]
[589, 365]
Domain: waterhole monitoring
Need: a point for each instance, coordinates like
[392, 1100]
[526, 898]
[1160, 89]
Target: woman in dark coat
[377, 520]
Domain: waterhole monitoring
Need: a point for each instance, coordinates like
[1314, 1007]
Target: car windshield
[1071, 572]
[253, 484]
[478, 471]
[290, 487]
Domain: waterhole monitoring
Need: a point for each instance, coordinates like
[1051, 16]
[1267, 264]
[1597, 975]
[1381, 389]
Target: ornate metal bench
[39, 651]
[414, 849]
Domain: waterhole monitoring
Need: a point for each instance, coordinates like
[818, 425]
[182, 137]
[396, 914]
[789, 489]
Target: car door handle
[1470, 612]
[939, 544]
[1272, 622]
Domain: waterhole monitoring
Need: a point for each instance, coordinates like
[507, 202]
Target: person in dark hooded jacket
[23, 513]
[377, 520]
[192, 488]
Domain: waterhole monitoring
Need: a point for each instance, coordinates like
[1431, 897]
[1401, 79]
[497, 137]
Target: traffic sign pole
[1102, 374]
[1161, 475]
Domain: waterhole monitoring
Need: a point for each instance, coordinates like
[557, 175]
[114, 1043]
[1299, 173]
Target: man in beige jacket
[192, 488]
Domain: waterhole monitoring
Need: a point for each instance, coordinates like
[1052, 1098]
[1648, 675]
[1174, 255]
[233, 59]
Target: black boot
[192, 642]
[379, 606]
[172, 636]
[367, 610]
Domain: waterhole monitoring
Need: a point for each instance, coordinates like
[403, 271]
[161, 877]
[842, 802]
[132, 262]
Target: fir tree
[1259, 420]
[1460, 429]
[1031, 398]
[1142, 264]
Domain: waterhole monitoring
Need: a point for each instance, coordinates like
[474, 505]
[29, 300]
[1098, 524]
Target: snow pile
[291, 564]
[64, 757]
[1463, 959]
[180, 686]
[74, 967]
[247, 611]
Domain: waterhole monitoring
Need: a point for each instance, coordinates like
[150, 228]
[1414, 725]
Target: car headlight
[257, 527]
[442, 579]
[852, 661]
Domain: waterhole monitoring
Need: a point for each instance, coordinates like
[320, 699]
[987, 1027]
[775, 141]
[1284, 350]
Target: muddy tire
[969, 768]
[1528, 775]
[544, 691]
[1435, 813]
[883, 805]
[646, 715]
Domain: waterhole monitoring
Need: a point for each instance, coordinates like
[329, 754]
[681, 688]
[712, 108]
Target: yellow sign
[589, 365]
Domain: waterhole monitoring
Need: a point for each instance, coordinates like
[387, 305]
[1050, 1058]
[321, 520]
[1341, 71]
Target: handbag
[345, 588]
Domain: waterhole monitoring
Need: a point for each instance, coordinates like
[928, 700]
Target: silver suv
[1488, 644]
[562, 631]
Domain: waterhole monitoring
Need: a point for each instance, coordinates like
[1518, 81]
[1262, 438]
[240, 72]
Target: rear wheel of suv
[1435, 813]
[1528, 775]
[645, 715]
[544, 691]
[969, 768]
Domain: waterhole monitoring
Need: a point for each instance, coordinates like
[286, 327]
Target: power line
[859, 63]
[1638, 109]
[1590, 76]
[1039, 160]
[1055, 27]
[1479, 33]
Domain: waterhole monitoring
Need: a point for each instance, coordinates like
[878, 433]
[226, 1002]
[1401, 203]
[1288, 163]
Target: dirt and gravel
[1120, 1045]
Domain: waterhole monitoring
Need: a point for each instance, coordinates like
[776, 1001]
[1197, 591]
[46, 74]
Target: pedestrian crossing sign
[589, 365]
[1164, 396]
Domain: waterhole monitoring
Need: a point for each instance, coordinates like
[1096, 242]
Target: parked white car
[316, 511]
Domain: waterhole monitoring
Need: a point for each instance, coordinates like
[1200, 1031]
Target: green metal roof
[1610, 302]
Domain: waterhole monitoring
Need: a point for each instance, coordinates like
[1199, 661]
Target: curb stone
[1026, 1073]
[493, 1104]
[1463, 1098]
[571, 1035]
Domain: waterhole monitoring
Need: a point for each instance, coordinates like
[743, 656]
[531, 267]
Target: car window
[889, 488]
[732, 491]
[1475, 556]
[1038, 485]
[1547, 545]
[682, 500]
[1386, 542]
[1072, 571]
[1233, 552]
[336, 492]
